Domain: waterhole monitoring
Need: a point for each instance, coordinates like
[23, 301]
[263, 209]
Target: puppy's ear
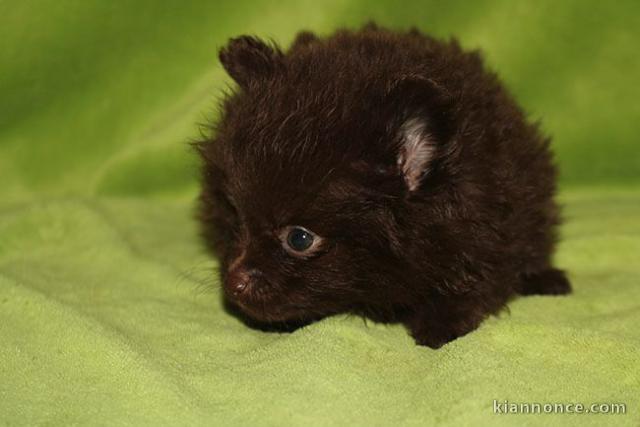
[248, 58]
[370, 26]
[417, 151]
[303, 39]
[425, 128]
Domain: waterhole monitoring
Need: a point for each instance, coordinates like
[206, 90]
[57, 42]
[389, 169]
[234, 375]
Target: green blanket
[110, 310]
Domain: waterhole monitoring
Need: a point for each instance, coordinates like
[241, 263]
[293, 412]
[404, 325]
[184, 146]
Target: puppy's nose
[237, 281]
[240, 280]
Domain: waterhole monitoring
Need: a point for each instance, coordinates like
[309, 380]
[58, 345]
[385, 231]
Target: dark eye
[300, 239]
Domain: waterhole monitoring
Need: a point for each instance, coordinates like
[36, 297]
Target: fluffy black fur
[429, 194]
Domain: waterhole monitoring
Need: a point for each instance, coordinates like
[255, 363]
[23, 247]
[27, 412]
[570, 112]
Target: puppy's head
[318, 158]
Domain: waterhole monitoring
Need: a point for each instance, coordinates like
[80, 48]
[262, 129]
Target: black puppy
[380, 173]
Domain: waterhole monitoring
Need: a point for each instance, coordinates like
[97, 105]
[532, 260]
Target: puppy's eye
[300, 242]
[300, 239]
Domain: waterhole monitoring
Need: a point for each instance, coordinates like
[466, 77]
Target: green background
[109, 308]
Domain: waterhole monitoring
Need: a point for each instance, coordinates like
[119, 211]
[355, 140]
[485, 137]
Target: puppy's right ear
[247, 59]
[303, 39]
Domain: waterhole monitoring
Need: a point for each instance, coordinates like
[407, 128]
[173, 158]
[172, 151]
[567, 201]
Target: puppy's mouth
[266, 322]
[256, 298]
[269, 312]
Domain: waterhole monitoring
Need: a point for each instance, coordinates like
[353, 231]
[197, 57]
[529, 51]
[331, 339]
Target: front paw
[435, 337]
[434, 328]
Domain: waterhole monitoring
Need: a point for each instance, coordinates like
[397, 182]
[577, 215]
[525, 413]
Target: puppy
[386, 174]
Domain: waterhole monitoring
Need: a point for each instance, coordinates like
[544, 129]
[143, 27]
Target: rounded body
[382, 173]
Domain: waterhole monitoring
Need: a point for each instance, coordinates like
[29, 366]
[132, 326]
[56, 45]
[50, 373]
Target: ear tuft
[248, 58]
[303, 39]
[417, 150]
[371, 26]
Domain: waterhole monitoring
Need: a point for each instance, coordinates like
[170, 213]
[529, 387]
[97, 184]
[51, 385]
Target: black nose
[240, 280]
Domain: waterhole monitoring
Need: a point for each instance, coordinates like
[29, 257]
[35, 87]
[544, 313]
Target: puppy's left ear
[425, 128]
[417, 151]
[247, 59]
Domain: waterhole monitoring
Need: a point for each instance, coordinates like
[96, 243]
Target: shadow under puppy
[381, 173]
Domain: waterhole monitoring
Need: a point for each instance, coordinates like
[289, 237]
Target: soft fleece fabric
[110, 310]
